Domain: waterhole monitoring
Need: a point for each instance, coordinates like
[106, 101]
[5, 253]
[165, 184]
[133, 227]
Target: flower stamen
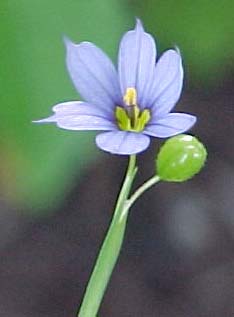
[130, 117]
[130, 97]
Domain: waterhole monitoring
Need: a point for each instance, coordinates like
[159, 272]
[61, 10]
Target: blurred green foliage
[39, 163]
[203, 30]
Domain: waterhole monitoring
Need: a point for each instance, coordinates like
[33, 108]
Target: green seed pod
[180, 158]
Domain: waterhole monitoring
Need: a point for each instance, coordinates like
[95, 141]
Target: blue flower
[131, 104]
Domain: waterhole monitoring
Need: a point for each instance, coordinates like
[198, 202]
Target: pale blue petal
[122, 142]
[172, 124]
[75, 108]
[80, 108]
[93, 74]
[75, 115]
[85, 122]
[167, 85]
[136, 62]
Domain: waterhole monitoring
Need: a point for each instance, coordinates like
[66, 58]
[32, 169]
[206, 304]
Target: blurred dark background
[57, 190]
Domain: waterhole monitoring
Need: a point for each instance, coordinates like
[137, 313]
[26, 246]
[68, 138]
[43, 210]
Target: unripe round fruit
[180, 158]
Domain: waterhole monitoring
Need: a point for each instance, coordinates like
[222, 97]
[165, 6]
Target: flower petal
[167, 85]
[80, 108]
[85, 122]
[76, 115]
[75, 108]
[93, 74]
[136, 61]
[122, 142]
[172, 124]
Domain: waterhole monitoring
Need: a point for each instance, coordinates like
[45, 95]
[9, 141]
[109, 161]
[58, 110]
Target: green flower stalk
[110, 249]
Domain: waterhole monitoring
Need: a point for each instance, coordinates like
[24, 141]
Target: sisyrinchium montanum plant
[131, 104]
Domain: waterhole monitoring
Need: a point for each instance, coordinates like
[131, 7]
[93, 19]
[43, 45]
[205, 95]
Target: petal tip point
[177, 49]
[193, 119]
[67, 42]
[46, 120]
[139, 24]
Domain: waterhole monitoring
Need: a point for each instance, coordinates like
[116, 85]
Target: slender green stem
[110, 249]
[129, 177]
[152, 181]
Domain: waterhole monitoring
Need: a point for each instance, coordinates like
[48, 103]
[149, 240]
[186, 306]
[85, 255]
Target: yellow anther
[130, 97]
[130, 117]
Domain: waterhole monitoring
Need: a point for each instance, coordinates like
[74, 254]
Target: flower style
[130, 105]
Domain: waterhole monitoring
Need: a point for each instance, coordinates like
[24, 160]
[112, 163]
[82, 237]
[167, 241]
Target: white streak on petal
[80, 108]
[85, 122]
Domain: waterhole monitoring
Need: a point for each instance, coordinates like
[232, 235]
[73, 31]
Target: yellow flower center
[130, 118]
